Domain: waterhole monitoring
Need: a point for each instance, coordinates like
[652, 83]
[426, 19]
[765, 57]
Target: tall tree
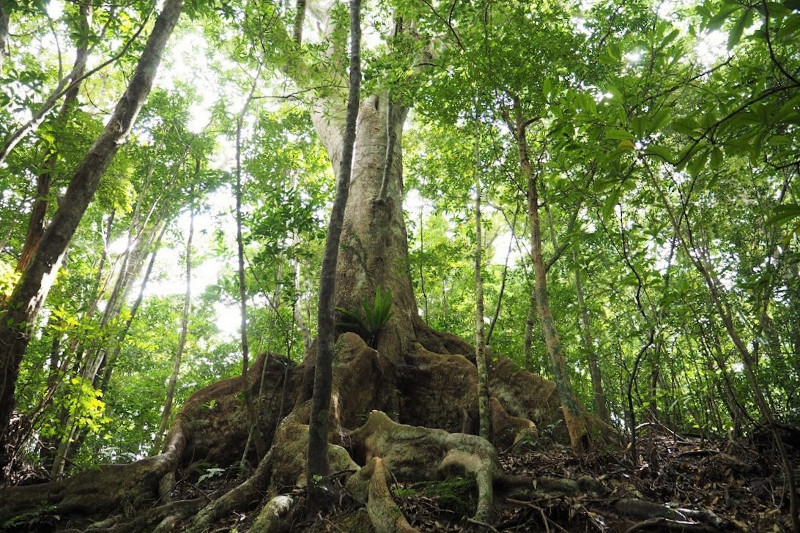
[480, 335]
[317, 468]
[19, 312]
[176, 365]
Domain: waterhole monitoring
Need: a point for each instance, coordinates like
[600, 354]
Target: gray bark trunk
[3, 32]
[480, 338]
[374, 242]
[591, 350]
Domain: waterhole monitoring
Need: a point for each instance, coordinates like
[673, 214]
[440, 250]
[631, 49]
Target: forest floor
[680, 484]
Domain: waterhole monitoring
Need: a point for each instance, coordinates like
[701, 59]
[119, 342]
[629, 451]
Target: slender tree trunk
[112, 359]
[503, 280]
[480, 337]
[36, 223]
[589, 346]
[572, 411]
[19, 313]
[173, 379]
[530, 323]
[317, 467]
[252, 415]
[297, 310]
[4, 16]
[425, 313]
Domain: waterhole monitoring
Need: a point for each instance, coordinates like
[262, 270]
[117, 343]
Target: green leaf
[736, 32]
[686, 126]
[611, 203]
[618, 134]
[717, 20]
[669, 38]
[698, 162]
[661, 152]
[716, 157]
[783, 214]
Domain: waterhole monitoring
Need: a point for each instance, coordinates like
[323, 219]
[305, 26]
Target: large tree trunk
[374, 243]
[19, 313]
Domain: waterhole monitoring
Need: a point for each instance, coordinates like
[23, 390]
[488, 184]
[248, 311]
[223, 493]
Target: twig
[482, 524]
[547, 520]
[661, 524]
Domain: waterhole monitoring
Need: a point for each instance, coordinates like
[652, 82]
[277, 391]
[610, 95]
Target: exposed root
[436, 391]
[246, 493]
[660, 518]
[275, 516]
[372, 481]
[413, 453]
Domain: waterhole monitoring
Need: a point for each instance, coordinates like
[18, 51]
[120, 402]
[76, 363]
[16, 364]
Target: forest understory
[416, 473]
[685, 484]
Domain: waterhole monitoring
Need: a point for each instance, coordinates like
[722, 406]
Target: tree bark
[572, 411]
[480, 336]
[317, 465]
[588, 345]
[19, 312]
[374, 242]
[187, 304]
[4, 16]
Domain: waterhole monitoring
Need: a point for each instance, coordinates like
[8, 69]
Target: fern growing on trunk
[375, 316]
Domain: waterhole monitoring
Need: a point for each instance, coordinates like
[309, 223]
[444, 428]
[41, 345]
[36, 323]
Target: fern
[374, 318]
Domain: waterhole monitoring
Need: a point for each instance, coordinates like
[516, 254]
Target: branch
[298, 21]
[61, 89]
[715, 125]
[769, 44]
[561, 249]
[447, 22]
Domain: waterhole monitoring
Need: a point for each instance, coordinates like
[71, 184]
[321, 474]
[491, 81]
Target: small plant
[456, 493]
[374, 318]
[211, 473]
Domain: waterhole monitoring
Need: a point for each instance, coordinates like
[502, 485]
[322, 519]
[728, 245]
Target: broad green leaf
[717, 20]
[618, 134]
[783, 214]
[698, 162]
[661, 152]
[741, 23]
[716, 157]
[686, 126]
[611, 203]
